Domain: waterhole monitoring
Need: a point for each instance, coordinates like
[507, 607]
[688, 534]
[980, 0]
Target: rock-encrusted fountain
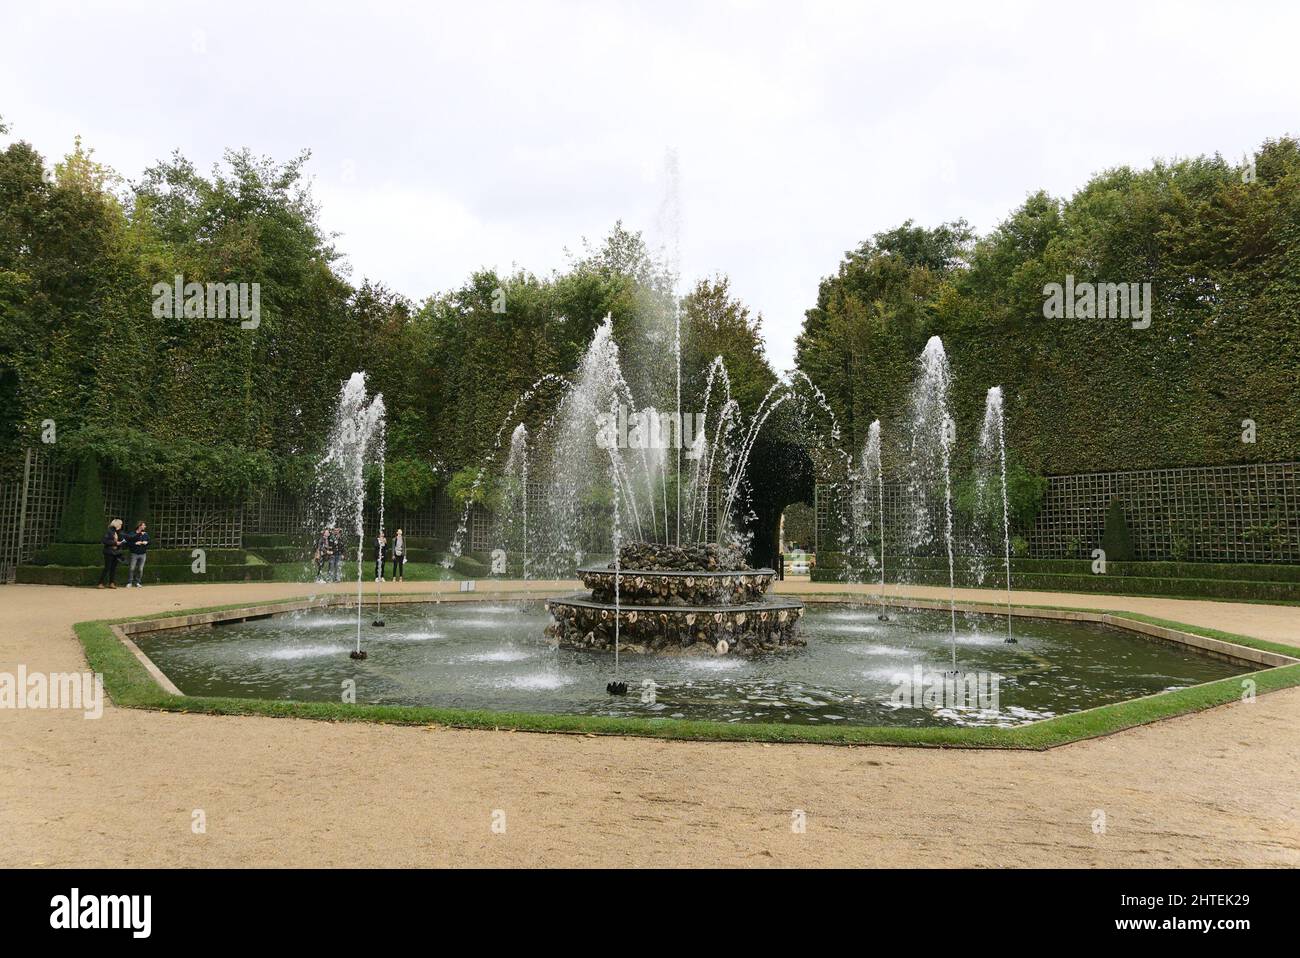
[675, 600]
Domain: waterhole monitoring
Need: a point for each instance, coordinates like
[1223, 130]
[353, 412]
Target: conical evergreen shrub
[83, 518]
[1116, 539]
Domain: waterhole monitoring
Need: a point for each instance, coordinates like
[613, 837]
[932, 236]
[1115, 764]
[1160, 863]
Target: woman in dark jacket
[112, 554]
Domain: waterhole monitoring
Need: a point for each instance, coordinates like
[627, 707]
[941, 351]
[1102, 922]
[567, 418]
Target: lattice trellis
[275, 513]
[31, 504]
[11, 507]
[285, 514]
[1206, 514]
[833, 509]
[1210, 513]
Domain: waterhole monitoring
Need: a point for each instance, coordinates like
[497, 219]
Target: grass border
[130, 685]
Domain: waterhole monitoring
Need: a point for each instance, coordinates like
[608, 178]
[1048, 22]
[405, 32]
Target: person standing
[381, 548]
[399, 556]
[112, 554]
[138, 544]
[322, 554]
[336, 553]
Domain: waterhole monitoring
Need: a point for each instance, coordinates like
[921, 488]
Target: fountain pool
[491, 656]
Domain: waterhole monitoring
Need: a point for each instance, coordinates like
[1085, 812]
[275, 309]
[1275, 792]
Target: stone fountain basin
[748, 628]
[678, 589]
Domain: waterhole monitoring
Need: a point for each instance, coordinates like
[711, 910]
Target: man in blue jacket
[138, 543]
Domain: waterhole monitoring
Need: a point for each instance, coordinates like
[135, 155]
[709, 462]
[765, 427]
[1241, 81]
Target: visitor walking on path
[112, 554]
[381, 547]
[138, 543]
[399, 556]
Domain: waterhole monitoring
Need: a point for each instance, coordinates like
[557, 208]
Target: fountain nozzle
[357, 654]
[377, 623]
[616, 688]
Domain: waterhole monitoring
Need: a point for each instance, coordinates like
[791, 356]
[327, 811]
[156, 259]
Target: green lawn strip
[1262, 644]
[1108, 719]
[414, 572]
[130, 685]
[126, 680]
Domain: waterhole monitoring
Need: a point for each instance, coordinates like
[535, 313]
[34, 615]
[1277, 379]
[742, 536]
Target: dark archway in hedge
[780, 472]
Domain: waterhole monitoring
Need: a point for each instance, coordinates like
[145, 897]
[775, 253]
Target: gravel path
[1217, 788]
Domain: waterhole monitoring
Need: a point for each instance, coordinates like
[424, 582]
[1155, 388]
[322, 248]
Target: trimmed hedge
[255, 540]
[1144, 585]
[78, 554]
[469, 567]
[1184, 579]
[282, 553]
[153, 574]
[1273, 572]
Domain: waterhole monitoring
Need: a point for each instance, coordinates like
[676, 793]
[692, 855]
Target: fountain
[872, 468]
[694, 599]
[340, 474]
[510, 530]
[932, 435]
[606, 451]
[456, 546]
[863, 538]
[698, 606]
[993, 450]
[378, 620]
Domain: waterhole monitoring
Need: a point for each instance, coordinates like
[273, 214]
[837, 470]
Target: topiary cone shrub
[83, 518]
[1116, 540]
[140, 507]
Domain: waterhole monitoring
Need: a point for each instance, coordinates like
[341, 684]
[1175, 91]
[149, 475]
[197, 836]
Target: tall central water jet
[932, 436]
[340, 474]
[655, 595]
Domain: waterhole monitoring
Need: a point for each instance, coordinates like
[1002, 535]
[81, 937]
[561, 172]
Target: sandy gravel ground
[1217, 788]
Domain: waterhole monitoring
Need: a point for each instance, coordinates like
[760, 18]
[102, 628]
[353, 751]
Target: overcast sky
[447, 137]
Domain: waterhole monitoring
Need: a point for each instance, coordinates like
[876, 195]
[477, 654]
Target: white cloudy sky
[446, 137]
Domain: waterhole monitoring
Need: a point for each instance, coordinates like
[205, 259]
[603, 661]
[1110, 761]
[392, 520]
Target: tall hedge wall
[1222, 256]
